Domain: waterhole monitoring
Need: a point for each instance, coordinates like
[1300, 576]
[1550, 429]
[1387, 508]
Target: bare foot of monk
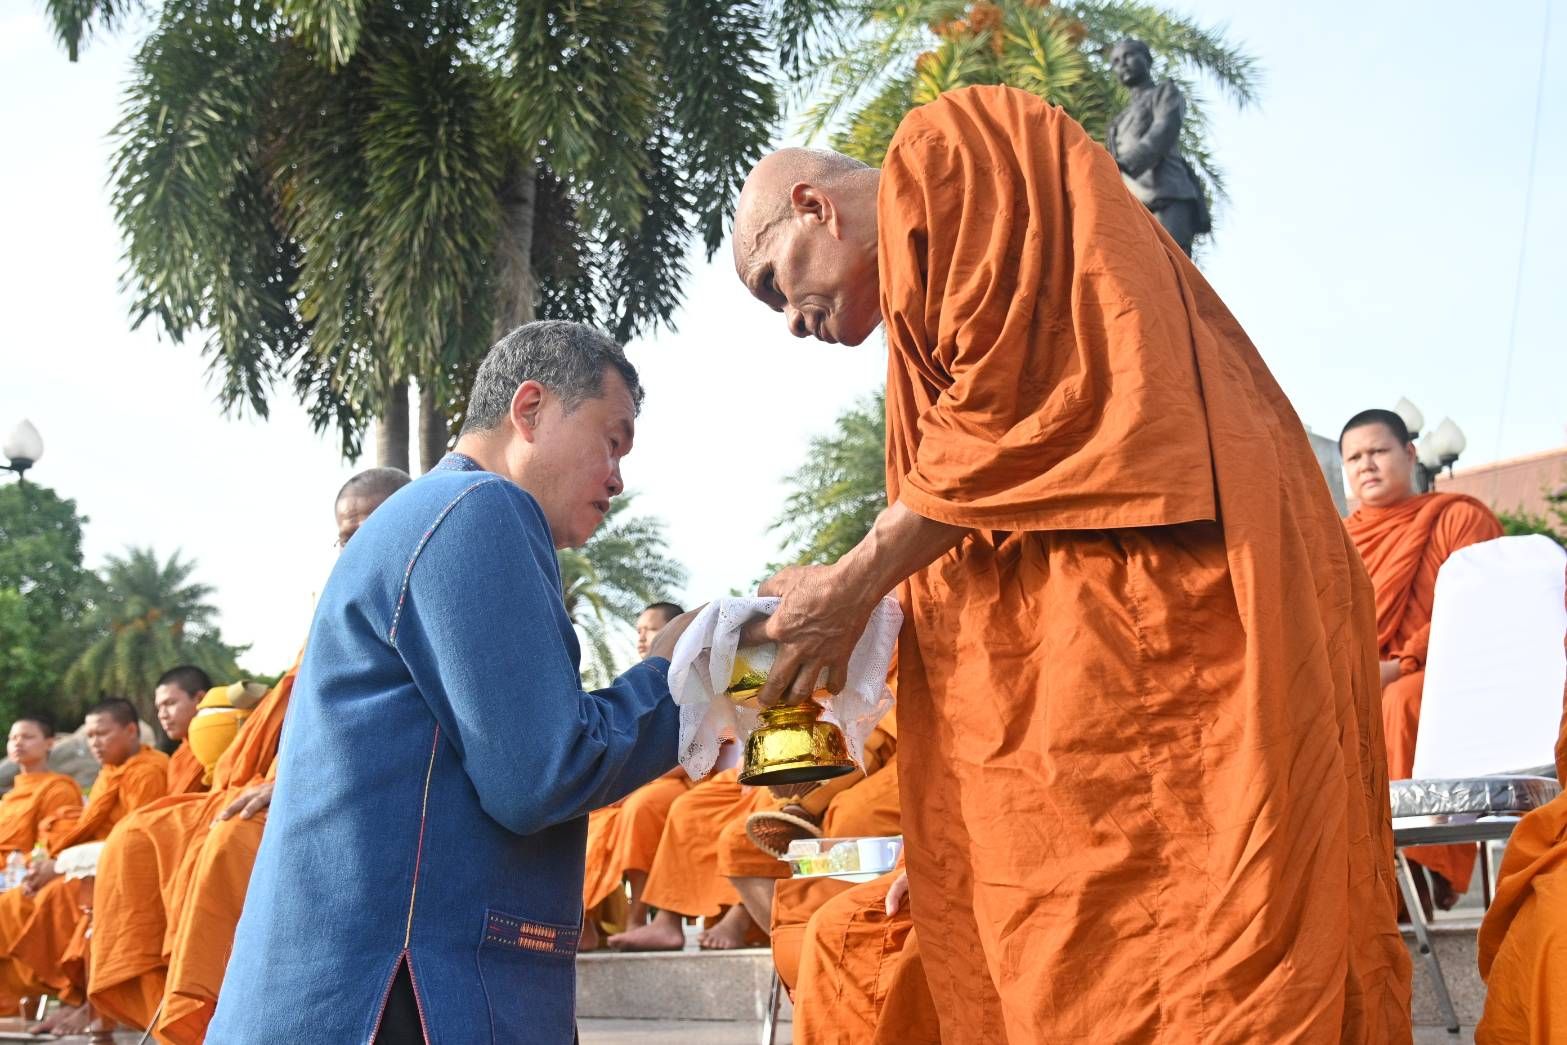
[51, 1025]
[1443, 895]
[663, 933]
[590, 940]
[733, 931]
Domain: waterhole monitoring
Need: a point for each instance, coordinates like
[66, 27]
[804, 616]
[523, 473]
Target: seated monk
[1404, 538]
[859, 978]
[858, 804]
[170, 885]
[54, 942]
[1523, 940]
[39, 916]
[38, 792]
[623, 837]
[684, 881]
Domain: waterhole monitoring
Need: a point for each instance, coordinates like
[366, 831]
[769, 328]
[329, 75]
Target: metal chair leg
[1417, 918]
[774, 1003]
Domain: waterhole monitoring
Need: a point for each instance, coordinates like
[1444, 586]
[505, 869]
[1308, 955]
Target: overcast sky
[1370, 247]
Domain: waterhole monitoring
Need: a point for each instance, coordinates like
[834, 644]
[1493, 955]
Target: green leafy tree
[837, 493]
[1552, 524]
[348, 195]
[900, 54]
[625, 566]
[145, 616]
[42, 584]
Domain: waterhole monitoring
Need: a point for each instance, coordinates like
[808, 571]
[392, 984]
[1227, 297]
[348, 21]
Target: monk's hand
[252, 802]
[41, 874]
[1392, 670]
[664, 643]
[897, 894]
[816, 624]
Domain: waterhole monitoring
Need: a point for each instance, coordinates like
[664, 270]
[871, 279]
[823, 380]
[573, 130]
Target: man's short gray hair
[567, 358]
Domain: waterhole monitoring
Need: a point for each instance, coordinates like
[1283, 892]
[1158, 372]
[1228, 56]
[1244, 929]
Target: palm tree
[349, 196]
[906, 53]
[607, 582]
[840, 488]
[145, 616]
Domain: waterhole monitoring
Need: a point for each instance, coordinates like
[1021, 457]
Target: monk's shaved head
[363, 494]
[805, 242]
[764, 199]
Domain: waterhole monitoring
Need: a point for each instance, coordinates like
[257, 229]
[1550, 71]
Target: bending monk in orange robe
[1523, 940]
[38, 793]
[684, 881]
[169, 894]
[44, 906]
[623, 837]
[1138, 665]
[1404, 538]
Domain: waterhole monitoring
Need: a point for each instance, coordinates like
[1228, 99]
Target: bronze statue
[1144, 138]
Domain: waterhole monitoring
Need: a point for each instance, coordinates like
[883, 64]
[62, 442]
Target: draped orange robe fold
[684, 877]
[144, 875]
[33, 798]
[1142, 695]
[35, 931]
[1523, 940]
[1403, 547]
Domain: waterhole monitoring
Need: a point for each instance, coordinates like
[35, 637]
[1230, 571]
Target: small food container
[849, 859]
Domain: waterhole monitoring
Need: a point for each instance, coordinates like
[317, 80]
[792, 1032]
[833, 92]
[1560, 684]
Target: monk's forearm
[901, 543]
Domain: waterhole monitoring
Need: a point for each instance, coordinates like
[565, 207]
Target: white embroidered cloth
[704, 660]
[79, 861]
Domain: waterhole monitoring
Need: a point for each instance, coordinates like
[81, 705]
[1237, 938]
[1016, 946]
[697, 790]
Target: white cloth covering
[704, 661]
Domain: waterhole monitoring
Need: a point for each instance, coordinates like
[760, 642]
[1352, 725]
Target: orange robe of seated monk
[684, 877]
[139, 890]
[861, 977]
[1523, 940]
[1403, 547]
[34, 798]
[624, 837]
[1142, 694]
[35, 930]
[214, 875]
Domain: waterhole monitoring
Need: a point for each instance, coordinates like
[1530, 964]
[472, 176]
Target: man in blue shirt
[422, 877]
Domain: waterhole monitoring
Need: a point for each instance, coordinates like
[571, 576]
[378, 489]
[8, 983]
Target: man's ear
[526, 405]
[811, 203]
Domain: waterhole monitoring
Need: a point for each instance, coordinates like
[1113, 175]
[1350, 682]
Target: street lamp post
[1434, 450]
[23, 447]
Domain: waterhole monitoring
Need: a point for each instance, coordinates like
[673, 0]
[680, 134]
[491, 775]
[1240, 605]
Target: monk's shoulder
[1462, 511]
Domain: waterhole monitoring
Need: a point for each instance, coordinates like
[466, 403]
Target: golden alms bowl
[794, 746]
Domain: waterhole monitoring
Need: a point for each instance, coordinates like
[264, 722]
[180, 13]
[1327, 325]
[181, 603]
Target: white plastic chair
[1490, 712]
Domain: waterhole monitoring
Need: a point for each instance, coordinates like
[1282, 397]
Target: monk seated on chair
[1404, 537]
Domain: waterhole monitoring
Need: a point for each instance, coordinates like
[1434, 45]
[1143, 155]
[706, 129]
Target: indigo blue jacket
[438, 763]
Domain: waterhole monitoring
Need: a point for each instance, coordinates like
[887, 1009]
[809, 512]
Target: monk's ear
[527, 403]
[811, 203]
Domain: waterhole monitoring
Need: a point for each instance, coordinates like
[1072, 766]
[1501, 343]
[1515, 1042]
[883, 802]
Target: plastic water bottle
[15, 869]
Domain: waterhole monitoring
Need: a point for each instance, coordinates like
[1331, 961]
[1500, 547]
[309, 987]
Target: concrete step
[733, 985]
[676, 985]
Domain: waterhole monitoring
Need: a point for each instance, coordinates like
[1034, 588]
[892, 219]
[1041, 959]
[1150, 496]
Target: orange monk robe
[214, 875]
[684, 877]
[1142, 695]
[186, 772]
[869, 809]
[33, 798]
[861, 977]
[1403, 547]
[624, 837]
[1523, 940]
[35, 931]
